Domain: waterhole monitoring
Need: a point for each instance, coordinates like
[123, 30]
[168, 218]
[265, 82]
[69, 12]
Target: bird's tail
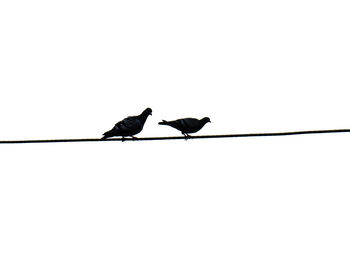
[163, 122]
[107, 135]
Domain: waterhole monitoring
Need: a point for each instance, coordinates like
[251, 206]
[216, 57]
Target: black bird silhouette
[186, 125]
[130, 126]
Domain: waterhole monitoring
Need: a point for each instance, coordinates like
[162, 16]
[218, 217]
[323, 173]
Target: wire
[179, 137]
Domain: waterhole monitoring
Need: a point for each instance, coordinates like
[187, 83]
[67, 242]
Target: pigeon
[186, 125]
[129, 126]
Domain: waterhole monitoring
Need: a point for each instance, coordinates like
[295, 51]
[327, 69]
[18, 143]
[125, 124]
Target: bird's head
[205, 120]
[147, 111]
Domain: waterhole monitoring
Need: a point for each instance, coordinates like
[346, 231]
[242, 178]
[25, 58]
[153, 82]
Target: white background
[72, 69]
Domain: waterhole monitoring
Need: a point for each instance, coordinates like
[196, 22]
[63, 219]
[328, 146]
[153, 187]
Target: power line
[179, 137]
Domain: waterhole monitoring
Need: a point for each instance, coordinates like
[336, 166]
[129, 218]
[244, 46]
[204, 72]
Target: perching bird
[187, 125]
[130, 126]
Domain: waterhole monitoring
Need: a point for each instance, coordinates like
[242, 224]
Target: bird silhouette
[129, 126]
[186, 125]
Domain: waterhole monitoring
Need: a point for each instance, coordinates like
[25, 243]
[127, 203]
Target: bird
[186, 125]
[129, 126]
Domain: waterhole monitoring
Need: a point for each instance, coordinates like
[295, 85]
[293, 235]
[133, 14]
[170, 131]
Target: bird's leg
[123, 139]
[186, 135]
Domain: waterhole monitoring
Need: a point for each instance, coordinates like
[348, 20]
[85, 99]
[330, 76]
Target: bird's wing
[129, 123]
[189, 123]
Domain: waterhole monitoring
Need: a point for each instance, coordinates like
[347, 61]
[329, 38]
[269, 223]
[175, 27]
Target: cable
[178, 137]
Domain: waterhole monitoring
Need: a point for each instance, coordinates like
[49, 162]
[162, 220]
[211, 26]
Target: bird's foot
[186, 136]
[134, 138]
[123, 139]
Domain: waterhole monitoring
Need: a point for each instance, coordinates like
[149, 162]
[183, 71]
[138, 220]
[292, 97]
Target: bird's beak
[150, 114]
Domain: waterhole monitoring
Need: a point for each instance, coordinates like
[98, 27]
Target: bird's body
[186, 125]
[129, 126]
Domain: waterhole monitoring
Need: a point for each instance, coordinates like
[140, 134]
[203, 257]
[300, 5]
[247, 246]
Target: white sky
[72, 69]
